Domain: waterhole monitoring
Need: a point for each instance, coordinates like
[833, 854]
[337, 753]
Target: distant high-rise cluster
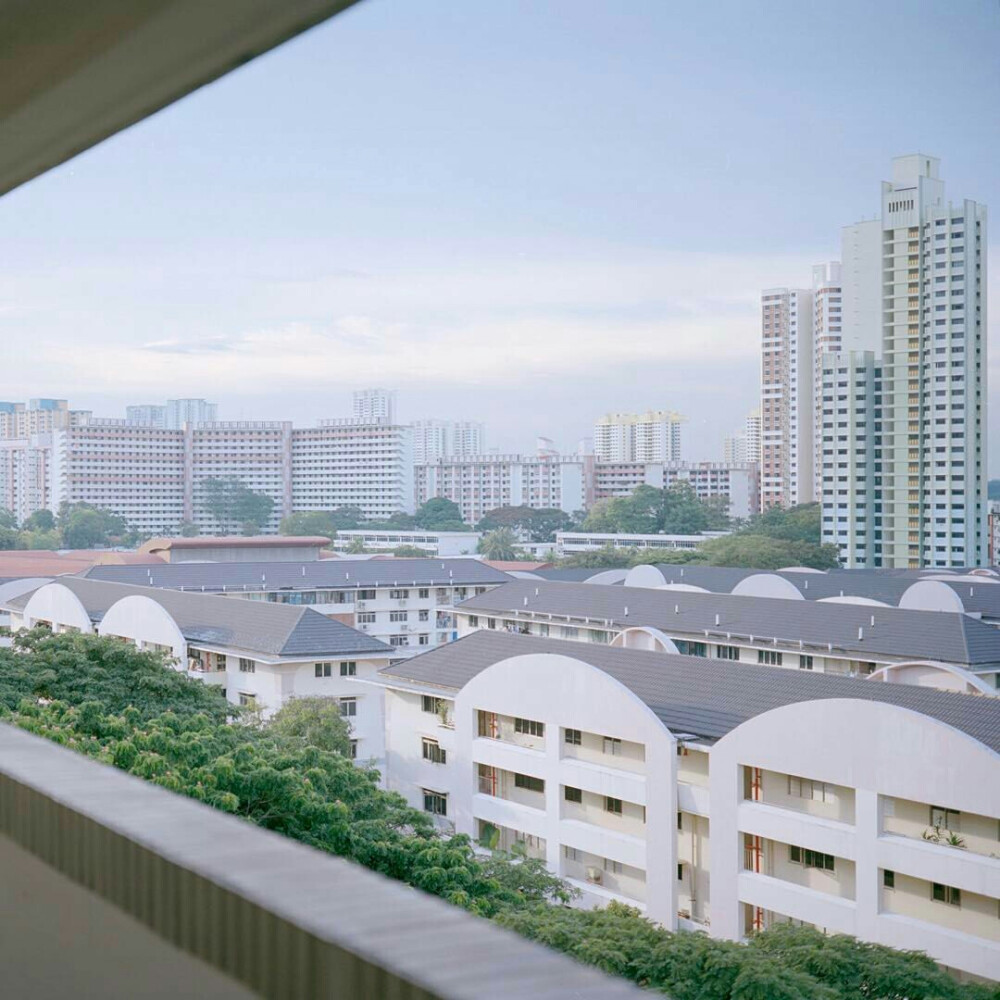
[873, 382]
[653, 436]
[174, 415]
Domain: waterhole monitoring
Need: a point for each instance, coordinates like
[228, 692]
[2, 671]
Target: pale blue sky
[529, 212]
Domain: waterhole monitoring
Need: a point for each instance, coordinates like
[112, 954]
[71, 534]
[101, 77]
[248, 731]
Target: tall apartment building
[347, 463]
[927, 259]
[434, 439]
[850, 463]
[154, 477]
[39, 416]
[654, 436]
[827, 329]
[481, 484]
[190, 411]
[24, 474]
[374, 405]
[146, 415]
[744, 445]
[786, 398]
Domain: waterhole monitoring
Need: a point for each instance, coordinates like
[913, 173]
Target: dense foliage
[104, 698]
[529, 523]
[78, 526]
[234, 505]
[676, 510]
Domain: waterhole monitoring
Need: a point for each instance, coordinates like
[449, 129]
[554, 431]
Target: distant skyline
[527, 214]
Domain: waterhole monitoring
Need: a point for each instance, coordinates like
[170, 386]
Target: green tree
[796, 524]
[763, 552]
[606, 557]
[83, 526]
[188, 529]
[409, 552]
[534, 524]
[7, 519]
[232, 503]
[356, 546]
[40, 520]
[313, 721]
[440, 514]
[311, 522]
[499, 544]
[40, 540]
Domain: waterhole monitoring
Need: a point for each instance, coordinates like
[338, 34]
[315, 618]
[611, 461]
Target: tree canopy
[322, 522]
[499, 544]
[439, 514]
[528, 523]
[676, 510]
[234, 505]
[83, 526]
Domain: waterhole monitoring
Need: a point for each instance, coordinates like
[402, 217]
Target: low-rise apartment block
[434, 543]
[813, 636]
[260, 656]
[573, 542]
[713, 795]
[405, 603]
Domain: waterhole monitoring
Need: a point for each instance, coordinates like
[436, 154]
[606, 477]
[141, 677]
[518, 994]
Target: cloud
[208, 345]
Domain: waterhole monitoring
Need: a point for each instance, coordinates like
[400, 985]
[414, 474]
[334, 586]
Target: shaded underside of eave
[73, 74]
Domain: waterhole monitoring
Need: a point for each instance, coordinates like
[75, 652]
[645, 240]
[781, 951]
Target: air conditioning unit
[595, 875]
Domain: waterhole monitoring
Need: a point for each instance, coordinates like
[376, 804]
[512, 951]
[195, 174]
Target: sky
[529, 213]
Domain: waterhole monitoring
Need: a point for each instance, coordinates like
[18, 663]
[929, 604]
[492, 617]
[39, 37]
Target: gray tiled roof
[981, 596]
[255, 626]
[707, 698]
[898, 634]
[320, 574]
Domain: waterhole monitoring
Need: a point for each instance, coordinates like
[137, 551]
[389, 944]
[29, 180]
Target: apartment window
[398, 640]
[248, 700]
[680, 872]
[366, 595]
[571, 854]
[398, 616]
[529, 782]
[424, 615]
[435, 802]
[220, 661]
[432, 751]
[423, 593]
[573, 736]
[473, 621]
[811, 859]
[324, 669]
[491, 623]
[423, 640]
[947, 819]
[686, 648]
[366, 617]
[348, 707]
[612, 866]
[804, 788]
[348, 668]
[612, 805]
[680, 821]
[805, 662]
[727, 652]
[354, 750]
[399, 595]
[612, 746]
[770, 657]
[571, 794]
[247, 666]
[529, 727]
[946, 894]
[889, 879]
[430, 704]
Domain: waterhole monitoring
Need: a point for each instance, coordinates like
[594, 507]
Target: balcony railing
[150, 892]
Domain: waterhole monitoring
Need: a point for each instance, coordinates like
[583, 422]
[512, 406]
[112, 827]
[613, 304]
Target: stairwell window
[324, 669]
[432, 751]
[571, 794]
[348, 707]
[573, 736]
[348, 668]
[612, 805]
[946, 894]
[247, 666]
[805, 662]
[248, 700]
[769, 657]
[435, 803]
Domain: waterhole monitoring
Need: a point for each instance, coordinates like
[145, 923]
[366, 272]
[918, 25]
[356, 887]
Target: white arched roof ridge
[645, 575]
[854, 599]
[931, 595]
[56, 603]
[608, 576]
[146, 620]
[883, 674]
[801, 569]
[667, 644]
[555, 661]
[767, 585]
[687, 587]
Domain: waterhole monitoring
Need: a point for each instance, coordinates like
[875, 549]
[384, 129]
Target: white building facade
[437, 439]
[638, 782]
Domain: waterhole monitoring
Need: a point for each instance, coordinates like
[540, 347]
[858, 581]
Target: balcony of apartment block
[494, 837]
[603, 879]
[509, 798]
[942, 845]
[186, 921]
[507, 740]
[799, 880]
[206, 666]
